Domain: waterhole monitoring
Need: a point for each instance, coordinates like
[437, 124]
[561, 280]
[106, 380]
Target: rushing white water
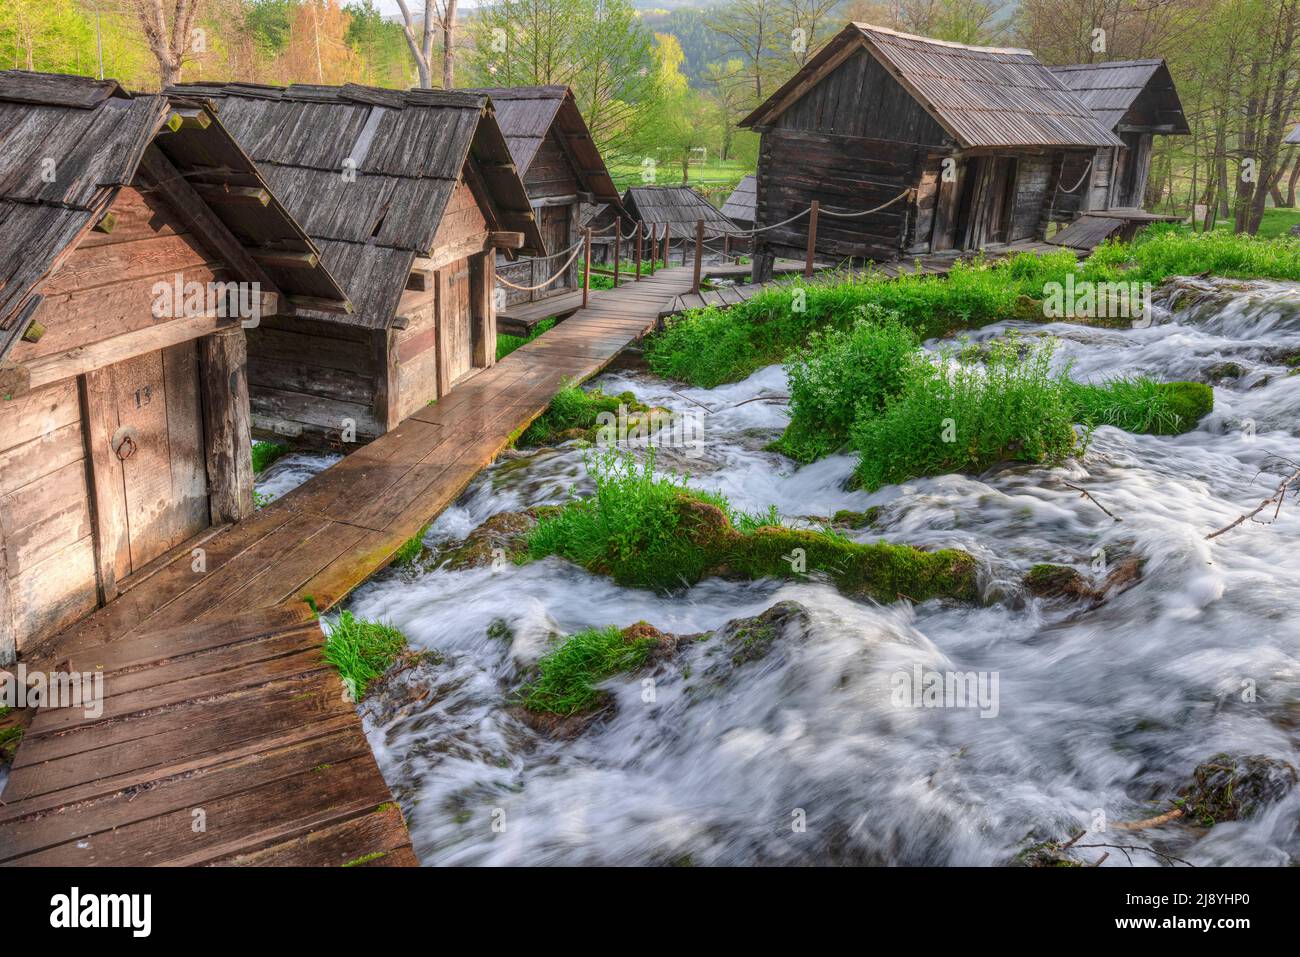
[1100, 711]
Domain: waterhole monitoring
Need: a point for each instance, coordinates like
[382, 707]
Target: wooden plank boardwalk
[218, 704]
[936, 264]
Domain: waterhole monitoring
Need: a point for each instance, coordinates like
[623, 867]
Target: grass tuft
[566, 677]
[362, 650]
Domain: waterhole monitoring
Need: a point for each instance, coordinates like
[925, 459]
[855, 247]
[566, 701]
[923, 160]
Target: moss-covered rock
[1190, 402]
[1062, 581]
[504, 534]
[856, 520]
[750, 639]
[1235, 787]
[576, 413]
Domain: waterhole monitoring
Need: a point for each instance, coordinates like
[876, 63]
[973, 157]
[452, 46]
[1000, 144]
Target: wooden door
[455, 318]
[554, 225]
[151, 481]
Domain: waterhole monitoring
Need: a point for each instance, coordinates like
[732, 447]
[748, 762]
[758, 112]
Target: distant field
[713, 179]
[1276, 222]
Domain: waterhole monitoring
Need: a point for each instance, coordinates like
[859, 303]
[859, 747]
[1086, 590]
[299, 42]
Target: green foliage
[412, 548]
[708, 347]
[655, 532]
[362, 650]
[264, 453]
[574, 408]
[507, 344]
[566, 677]
[1142, 405]
[840, 372]
[964, 418]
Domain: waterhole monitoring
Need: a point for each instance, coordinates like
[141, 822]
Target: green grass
[362, 650]
[9, 741]
[574, 408]
[1275, 224]
[840, 373]
[412, 548]
[653, 531]
[507, 344]
[264, 453]
[1142, 405]
[566, 677]
[709, 347]
[970, 416]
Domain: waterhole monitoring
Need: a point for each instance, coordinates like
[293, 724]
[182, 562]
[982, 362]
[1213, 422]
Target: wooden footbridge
[225, 738]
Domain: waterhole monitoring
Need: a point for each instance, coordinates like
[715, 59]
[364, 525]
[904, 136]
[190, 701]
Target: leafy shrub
[841, 371]
[264, 453]
[964, 418]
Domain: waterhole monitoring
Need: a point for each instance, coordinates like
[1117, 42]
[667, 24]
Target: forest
[663, 91]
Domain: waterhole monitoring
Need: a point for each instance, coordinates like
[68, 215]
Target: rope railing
[575, 248]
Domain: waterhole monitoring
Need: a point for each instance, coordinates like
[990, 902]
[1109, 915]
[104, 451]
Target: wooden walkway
[937, 264]
[217, 697]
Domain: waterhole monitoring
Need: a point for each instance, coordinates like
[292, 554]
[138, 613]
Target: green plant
[507, 344]
[566, 677]
[655, 532]
[1142, 405]
[574, 408]
[411, 549]
[965, 417]
[362, 650]
[264, 453]
[840, 372]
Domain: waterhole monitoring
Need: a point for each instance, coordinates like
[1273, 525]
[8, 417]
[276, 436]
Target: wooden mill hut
[1136, 100]
[739, 207]
[409, 195]
[671, 211]
[139, 241]
[967, 142]
[562, 171]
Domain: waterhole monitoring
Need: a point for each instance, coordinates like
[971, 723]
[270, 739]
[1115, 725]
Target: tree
[167, 41]
[600, 50]
[437, 14]
[751, 27]
[961, 21]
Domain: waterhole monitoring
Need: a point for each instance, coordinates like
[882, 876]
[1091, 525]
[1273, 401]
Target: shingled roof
[68, 144]
[1111, 89]
[369, 172]
[981, 96]
[740, 205]
[527, 113]
[678, 208]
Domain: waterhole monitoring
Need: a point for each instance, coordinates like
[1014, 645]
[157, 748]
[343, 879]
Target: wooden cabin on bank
[1137, 101]
[139, 242]
[955, 147]
[562, 171]
[667, 214]
[409, 194]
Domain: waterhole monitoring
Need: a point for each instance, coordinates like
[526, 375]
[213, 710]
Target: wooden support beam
[104, 476]
[33, 332]
[699, 256]
[499, 239]
[186, 120]
[586, 266]
[167, 181]
[482, 281]
[812, 240]
[223, 382]
[500, 167]
[233, 195]
[105, 224]
[318, 305]
[286, 259]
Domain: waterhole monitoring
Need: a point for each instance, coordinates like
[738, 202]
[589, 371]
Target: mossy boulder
[1224, 372]
[1190, 402]
[750, 639]
[575, 413]
[855, 520]
[1064, 582]
[1235, 787]
[504, 534]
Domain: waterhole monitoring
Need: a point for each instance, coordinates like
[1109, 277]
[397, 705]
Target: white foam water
[804, 756]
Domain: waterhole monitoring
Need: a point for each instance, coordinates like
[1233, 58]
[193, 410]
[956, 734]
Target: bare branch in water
[1290, 483]
[1089, 496]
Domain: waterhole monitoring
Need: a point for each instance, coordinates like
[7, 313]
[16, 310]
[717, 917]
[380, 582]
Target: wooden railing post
[726, 247]
[586, 266]
[639, 230]
[699, 256]
[812, 239]
[667, 247]
[618, 246]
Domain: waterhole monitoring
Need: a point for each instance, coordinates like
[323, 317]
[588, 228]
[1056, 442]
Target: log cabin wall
[105, 470]
[855, 140]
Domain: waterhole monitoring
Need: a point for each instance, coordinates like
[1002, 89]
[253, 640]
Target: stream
[802, 756]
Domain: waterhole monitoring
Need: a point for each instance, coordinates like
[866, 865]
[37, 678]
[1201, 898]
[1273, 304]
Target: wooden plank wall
[307, 376]
[45, 517]
[1033, 190]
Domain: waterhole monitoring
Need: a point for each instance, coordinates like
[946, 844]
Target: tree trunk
[448, 46]
[1292, 183]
